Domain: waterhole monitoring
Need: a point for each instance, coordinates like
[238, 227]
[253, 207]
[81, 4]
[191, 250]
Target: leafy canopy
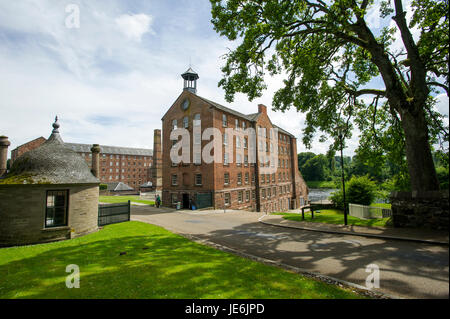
[330, 55]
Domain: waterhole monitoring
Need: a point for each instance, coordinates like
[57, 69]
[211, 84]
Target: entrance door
[186, 201]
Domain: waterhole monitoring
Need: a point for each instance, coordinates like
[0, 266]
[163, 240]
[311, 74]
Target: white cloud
[134, 26]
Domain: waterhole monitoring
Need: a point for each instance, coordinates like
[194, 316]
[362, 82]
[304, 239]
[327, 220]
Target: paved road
[406, 269]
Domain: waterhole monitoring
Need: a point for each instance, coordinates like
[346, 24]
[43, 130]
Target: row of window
[123, 170]
[265, 193]
[112, 156]
[198, 180]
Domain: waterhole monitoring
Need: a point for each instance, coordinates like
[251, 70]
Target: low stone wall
[421, 209]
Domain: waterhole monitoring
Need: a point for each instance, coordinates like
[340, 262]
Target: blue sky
[112, 79]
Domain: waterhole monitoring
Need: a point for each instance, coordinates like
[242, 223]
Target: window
[227, 199]
[245, 160]
[224, 120]
[247, 196]
[225, 159]
[174, 179]
[245, 142]
[274, 191]
[263, 193]
[174, 199]
[243, 126]
[239, 178]
[240, 196]
[238, 159]
[226, 178]
[253, 194]
[246, 178]
[185, 122]
[56, 208]
[174, 124]
[197, 118]
[225, 139]
[198, 179]
[263, 179]
[197, 158]
[236, 123]
[253, 178]
[269, 192]
[273, 177]
[238, 142]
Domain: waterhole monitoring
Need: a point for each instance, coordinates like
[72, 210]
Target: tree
[315, 168]
[303, 157]
[330, 55]
[358, 190]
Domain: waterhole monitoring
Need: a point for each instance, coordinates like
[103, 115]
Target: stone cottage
[49, 194]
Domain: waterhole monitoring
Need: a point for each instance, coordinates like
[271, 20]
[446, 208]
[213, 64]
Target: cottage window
[56, 208]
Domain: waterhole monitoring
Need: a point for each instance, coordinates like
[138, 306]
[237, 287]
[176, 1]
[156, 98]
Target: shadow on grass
[157, 264]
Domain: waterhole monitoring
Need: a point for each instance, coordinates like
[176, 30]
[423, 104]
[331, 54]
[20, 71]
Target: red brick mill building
[132, 166]
[235, 181]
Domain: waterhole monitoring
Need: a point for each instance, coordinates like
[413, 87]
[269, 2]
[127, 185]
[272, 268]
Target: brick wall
[285, 192]
[15, 153]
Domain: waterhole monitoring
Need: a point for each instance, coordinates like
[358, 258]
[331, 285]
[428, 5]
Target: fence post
[129, 209]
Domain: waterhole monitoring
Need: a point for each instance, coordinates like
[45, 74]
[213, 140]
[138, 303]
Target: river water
[319, 194]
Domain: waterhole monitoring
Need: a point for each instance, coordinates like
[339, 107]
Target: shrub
[103, 187]
[442, 175]
[358, 190]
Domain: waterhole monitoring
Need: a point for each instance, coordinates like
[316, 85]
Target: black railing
[113, 213]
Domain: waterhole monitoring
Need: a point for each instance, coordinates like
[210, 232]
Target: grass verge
[334, 216]
[157, 264]
[123, 199]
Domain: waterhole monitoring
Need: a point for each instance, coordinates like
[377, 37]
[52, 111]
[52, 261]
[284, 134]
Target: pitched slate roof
[104, 149]
[250, 117]
[118, 186]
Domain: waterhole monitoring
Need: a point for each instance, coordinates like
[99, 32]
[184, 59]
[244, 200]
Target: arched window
[174, 124]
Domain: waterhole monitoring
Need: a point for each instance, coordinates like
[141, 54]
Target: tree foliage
[330, 55]
[359, 190]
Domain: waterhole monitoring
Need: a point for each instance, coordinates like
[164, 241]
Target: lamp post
[341, 141]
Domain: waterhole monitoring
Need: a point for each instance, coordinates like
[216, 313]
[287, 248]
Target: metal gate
[113, 213]
[203, 200]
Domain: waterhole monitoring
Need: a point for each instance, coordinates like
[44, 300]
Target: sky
[111, 78]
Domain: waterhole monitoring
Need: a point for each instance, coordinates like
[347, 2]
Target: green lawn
[321, 184]
[157, 264]
[123, 199]
[334, 216]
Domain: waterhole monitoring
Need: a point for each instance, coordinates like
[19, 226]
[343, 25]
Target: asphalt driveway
[407, 269]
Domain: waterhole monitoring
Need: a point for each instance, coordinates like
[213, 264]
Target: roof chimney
[262, 108]
[4, 143]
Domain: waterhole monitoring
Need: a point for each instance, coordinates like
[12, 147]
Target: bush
[442, 175]
[358, 190]
[103, 187]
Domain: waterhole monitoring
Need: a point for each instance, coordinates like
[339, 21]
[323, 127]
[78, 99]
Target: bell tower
[190, 80]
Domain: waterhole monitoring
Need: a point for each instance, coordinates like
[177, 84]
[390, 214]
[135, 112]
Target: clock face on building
[185, 105]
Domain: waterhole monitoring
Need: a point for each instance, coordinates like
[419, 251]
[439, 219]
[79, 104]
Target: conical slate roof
[50, 163]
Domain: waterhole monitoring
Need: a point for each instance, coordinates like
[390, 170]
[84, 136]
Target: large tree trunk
[418, 152]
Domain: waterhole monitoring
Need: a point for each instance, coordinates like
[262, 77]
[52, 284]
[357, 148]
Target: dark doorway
[186, 201]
